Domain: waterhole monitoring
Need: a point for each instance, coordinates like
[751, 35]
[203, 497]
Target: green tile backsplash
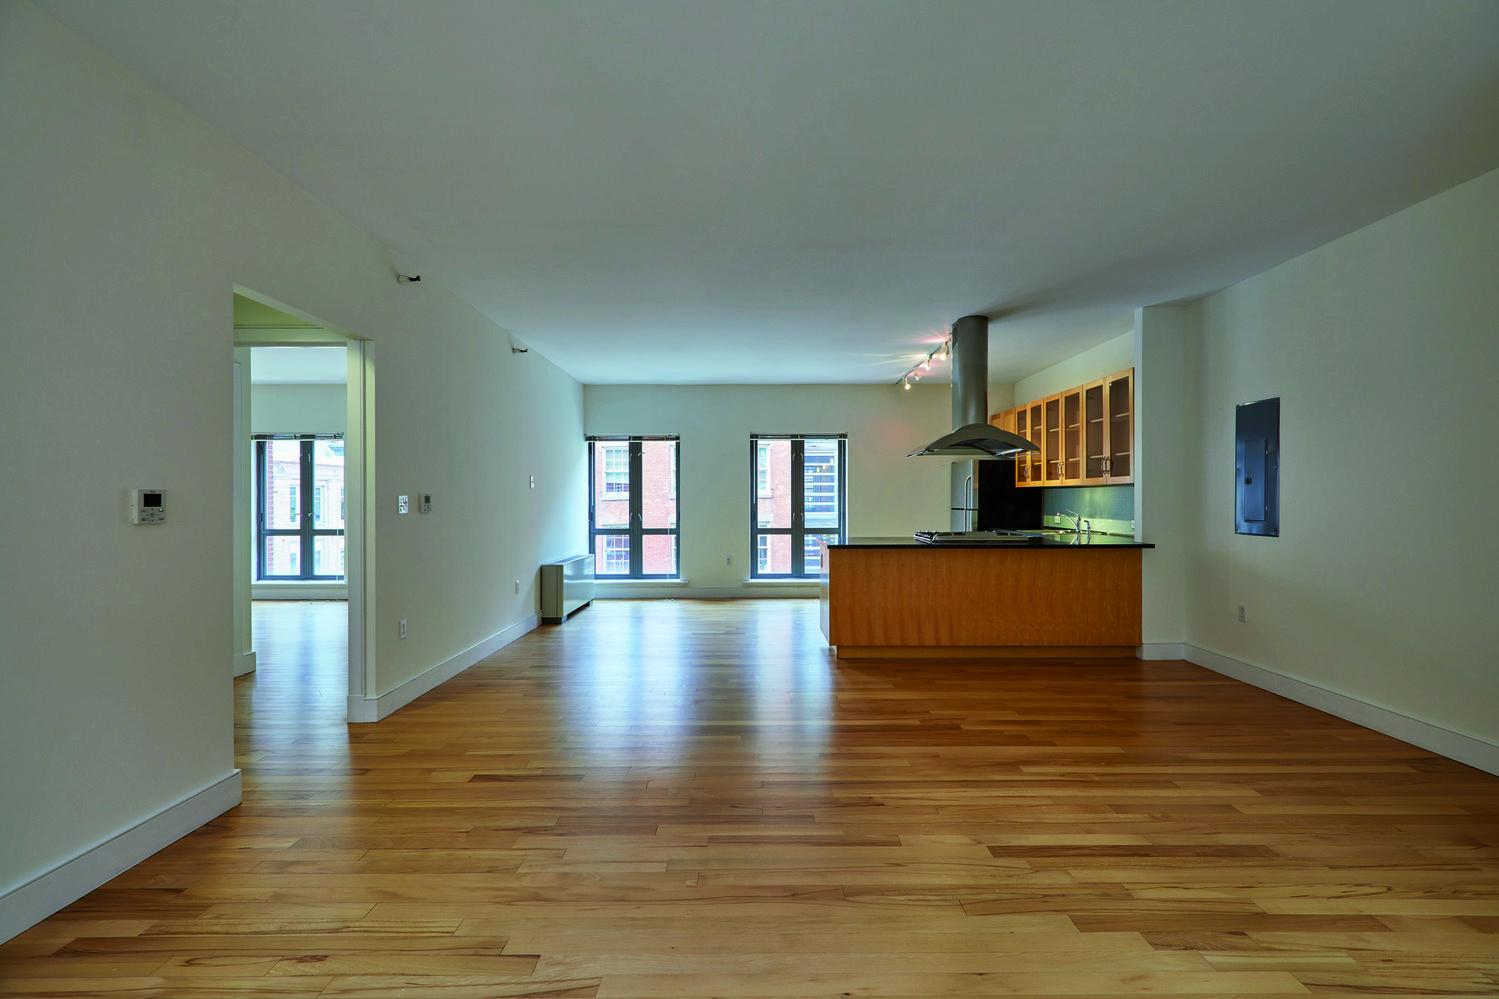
[1110, 503]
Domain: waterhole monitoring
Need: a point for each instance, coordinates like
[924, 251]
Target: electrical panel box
[148, 506]
[1257, 475]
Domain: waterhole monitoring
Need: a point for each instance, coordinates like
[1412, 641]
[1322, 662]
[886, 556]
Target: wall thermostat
[148, 506]
[426, 503]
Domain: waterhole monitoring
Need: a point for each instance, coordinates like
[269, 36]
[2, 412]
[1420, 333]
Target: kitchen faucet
[1078, 522]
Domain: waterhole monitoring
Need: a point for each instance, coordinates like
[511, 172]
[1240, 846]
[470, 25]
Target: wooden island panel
[967, 602]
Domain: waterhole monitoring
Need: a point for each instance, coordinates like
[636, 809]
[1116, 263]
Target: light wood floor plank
[696, 799]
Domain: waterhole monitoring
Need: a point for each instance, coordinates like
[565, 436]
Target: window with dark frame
[799, 499]
[632, 507]
[299, 536]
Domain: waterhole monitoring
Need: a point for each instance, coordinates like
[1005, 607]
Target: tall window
[299, 527]
[798, 500]
[632, 508]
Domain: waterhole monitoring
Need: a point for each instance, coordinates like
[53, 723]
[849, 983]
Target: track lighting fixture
[938, 353]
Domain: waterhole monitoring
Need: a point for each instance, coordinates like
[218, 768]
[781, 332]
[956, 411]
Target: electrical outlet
[403, 627]
[1241, 612]
[533, 482]
[728, 560]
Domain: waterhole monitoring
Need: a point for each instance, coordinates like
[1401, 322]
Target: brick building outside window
[633, 506]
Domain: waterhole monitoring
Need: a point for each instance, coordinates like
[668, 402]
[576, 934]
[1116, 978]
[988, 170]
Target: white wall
[1383, 348]
[298, 409]
[1097, 362]
[1001, 397]
[888, 494]
[128, 224]
[1161, 471]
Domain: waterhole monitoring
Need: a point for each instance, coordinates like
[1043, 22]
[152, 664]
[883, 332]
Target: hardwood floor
[695, 799]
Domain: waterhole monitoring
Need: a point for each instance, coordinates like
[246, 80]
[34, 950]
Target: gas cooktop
[977, 538]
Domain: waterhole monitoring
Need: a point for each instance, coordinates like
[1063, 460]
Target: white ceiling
[809, 190]
[298, 366]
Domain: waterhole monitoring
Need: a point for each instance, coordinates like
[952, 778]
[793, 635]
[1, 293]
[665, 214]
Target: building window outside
[799, 500]
[616, 554]
[616, 462]
[298, 535]
[632, 508]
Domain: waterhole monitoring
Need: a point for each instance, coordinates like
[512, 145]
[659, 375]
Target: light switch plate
[426, 504]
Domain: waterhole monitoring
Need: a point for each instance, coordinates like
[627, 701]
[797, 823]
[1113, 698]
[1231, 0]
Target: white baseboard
[372, 709]
[244, 663]
[28, 904]
[1162, 650]
[1457, 746]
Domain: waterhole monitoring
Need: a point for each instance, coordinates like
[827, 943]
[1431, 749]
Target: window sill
[787, 581]
[340, 581]
[299, 589]
[607, 581]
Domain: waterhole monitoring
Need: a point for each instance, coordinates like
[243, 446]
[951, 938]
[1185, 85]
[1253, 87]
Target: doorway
[302, 532]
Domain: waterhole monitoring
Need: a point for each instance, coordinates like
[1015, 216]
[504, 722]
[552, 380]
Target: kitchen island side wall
[921, 601]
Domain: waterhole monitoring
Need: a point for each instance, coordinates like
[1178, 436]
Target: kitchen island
[1069, 596]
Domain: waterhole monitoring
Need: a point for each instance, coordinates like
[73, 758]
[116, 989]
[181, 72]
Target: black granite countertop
[1094, 540]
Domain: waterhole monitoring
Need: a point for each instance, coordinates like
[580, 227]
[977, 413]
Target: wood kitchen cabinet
[1109, 430]
[1086, 435]
[1119, 404]
[1072, 436]
[1019, 421]
[1026, 422]
[1095, 432]
[1051, 410]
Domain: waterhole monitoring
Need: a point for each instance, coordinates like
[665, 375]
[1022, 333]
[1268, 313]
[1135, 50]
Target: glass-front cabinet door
[1072, 436]
[1119, 399]
[1051, 408]
[1036, 434]
[1095, 455]
[1021, 420]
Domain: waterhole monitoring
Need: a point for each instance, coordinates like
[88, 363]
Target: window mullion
[260, 509]
[637, 507]
[798, 507]
[305, 513]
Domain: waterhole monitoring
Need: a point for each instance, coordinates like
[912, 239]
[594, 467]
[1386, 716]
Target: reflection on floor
[301, 659]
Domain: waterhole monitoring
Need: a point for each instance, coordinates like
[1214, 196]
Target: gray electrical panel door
[1257, 483]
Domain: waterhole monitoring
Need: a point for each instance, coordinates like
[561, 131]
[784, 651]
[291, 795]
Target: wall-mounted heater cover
[566, 586]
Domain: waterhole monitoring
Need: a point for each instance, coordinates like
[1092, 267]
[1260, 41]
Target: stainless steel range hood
[973, 437]
[977, 440]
